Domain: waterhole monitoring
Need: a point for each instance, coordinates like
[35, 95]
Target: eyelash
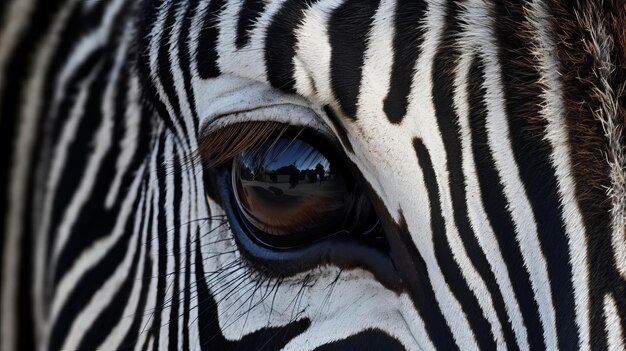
[223, 145]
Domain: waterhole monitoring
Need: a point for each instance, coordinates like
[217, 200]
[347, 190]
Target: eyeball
[290, 192]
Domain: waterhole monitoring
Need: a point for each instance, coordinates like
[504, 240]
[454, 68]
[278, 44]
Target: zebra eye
[291, 191]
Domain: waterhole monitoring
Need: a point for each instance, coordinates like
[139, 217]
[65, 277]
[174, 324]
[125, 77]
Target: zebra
[467, 156]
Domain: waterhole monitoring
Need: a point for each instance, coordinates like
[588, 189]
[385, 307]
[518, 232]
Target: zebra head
[319, 174]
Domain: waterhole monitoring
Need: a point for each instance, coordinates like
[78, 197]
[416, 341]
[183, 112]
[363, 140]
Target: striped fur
[490, 136]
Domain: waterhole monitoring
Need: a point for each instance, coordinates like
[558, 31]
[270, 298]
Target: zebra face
[320, 174]
[444, 122]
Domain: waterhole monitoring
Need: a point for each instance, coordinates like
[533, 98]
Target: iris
[291, 191]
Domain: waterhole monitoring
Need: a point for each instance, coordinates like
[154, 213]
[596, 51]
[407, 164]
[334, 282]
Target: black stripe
[280, 44]
[408, 39]
[340, 130]
[532, 154]
[185, 60]
[447, 119]
[19, 65]
[174, 235]
[443, 252]
[211, 338]
[366, 340]
[110, 316]
[496, 205]
[94, 217]
[79, 25]
[162, 233]
[207, 56]
[4, 10]
[187, 289]
[150, 94]
[619, 291]
[251, 10]
[130, 339]
[348, 30]
[412, 268]
[90, 283]
[166, 76]
[79, 152]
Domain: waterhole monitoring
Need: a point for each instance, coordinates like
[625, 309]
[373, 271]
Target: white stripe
[425, 124]
[83, 193]
[155, 45]
[246, 61]
[104, 295]
[476, 211]
[613, 324]
[556, 133]
[312, 59]
[356, 299]
[482, 35]
[153, 237]
[129, 143]
[102, 144]
[115, 337]
[199, 210]
[13, 21]
[181, 255]
[186, 116]
[150, 343]
[91, 257]
[23, 148]
[169, 214]
[375, 82]
[227, 58]
[197, 24]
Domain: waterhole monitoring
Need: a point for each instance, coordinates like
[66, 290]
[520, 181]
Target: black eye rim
[340, 251]
[303, 239]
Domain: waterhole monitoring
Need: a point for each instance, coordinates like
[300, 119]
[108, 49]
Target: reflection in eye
[292, 192]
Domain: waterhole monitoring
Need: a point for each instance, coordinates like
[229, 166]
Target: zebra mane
[591, 42]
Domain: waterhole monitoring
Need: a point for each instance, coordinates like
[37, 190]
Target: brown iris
[288, 189]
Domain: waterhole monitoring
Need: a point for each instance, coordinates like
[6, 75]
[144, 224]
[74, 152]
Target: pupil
[288, 187]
